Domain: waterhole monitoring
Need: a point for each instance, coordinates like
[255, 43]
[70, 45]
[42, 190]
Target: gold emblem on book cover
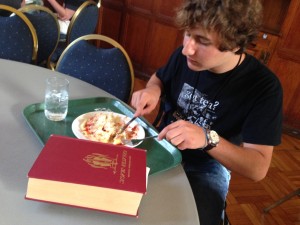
[97, 160]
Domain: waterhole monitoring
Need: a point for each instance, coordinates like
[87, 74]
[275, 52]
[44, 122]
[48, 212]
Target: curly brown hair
[235, 21]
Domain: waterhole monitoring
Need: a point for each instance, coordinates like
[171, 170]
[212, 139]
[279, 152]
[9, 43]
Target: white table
[169, 199]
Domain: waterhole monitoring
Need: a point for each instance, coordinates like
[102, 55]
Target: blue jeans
[209, 181]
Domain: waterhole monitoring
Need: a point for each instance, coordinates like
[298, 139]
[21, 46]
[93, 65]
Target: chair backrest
[47, 28]
[84, 21]
[107, 68]
[18, 38]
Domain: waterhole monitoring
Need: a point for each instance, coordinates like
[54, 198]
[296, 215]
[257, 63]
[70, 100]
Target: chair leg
[225, 220]
[282, 200]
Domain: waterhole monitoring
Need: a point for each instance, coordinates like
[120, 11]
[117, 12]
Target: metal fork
[121, 130]
[126, 125]
[136, 140]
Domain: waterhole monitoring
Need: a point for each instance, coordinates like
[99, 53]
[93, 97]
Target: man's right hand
[145, 100]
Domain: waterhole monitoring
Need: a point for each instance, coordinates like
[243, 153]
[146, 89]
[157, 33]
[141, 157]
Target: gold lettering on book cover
[97, 160]
[123, 167]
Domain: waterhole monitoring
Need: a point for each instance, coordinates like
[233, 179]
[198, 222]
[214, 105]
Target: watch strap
[206, 141]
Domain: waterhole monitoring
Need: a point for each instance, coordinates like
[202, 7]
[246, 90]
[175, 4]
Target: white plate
[80, 119]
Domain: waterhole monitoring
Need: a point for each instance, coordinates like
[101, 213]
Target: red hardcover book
[89, 174]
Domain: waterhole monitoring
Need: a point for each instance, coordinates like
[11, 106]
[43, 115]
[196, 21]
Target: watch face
[214, 137]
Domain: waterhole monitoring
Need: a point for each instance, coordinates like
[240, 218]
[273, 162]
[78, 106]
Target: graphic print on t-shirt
[199, 110]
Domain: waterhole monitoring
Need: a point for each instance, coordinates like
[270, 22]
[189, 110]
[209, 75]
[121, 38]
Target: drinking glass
[56, 98]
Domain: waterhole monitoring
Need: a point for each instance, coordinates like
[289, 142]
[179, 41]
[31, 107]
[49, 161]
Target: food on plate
[103, 127]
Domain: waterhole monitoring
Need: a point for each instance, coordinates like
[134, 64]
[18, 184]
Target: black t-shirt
[242, 105]
[75, 4]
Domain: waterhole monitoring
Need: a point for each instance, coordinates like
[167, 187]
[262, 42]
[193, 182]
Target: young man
[224, 108]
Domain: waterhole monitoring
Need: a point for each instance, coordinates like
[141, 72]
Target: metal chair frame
[282, 200]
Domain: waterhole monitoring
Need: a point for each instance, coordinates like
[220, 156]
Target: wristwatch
[212, 138]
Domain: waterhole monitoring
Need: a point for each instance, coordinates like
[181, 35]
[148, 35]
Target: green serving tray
[161, 155]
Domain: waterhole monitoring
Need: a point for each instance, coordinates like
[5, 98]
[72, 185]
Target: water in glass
[56, 99]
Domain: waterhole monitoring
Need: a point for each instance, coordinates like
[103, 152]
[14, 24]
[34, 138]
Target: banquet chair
[83, 22]
[108, 68]
[47, 28]
[18, 38]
